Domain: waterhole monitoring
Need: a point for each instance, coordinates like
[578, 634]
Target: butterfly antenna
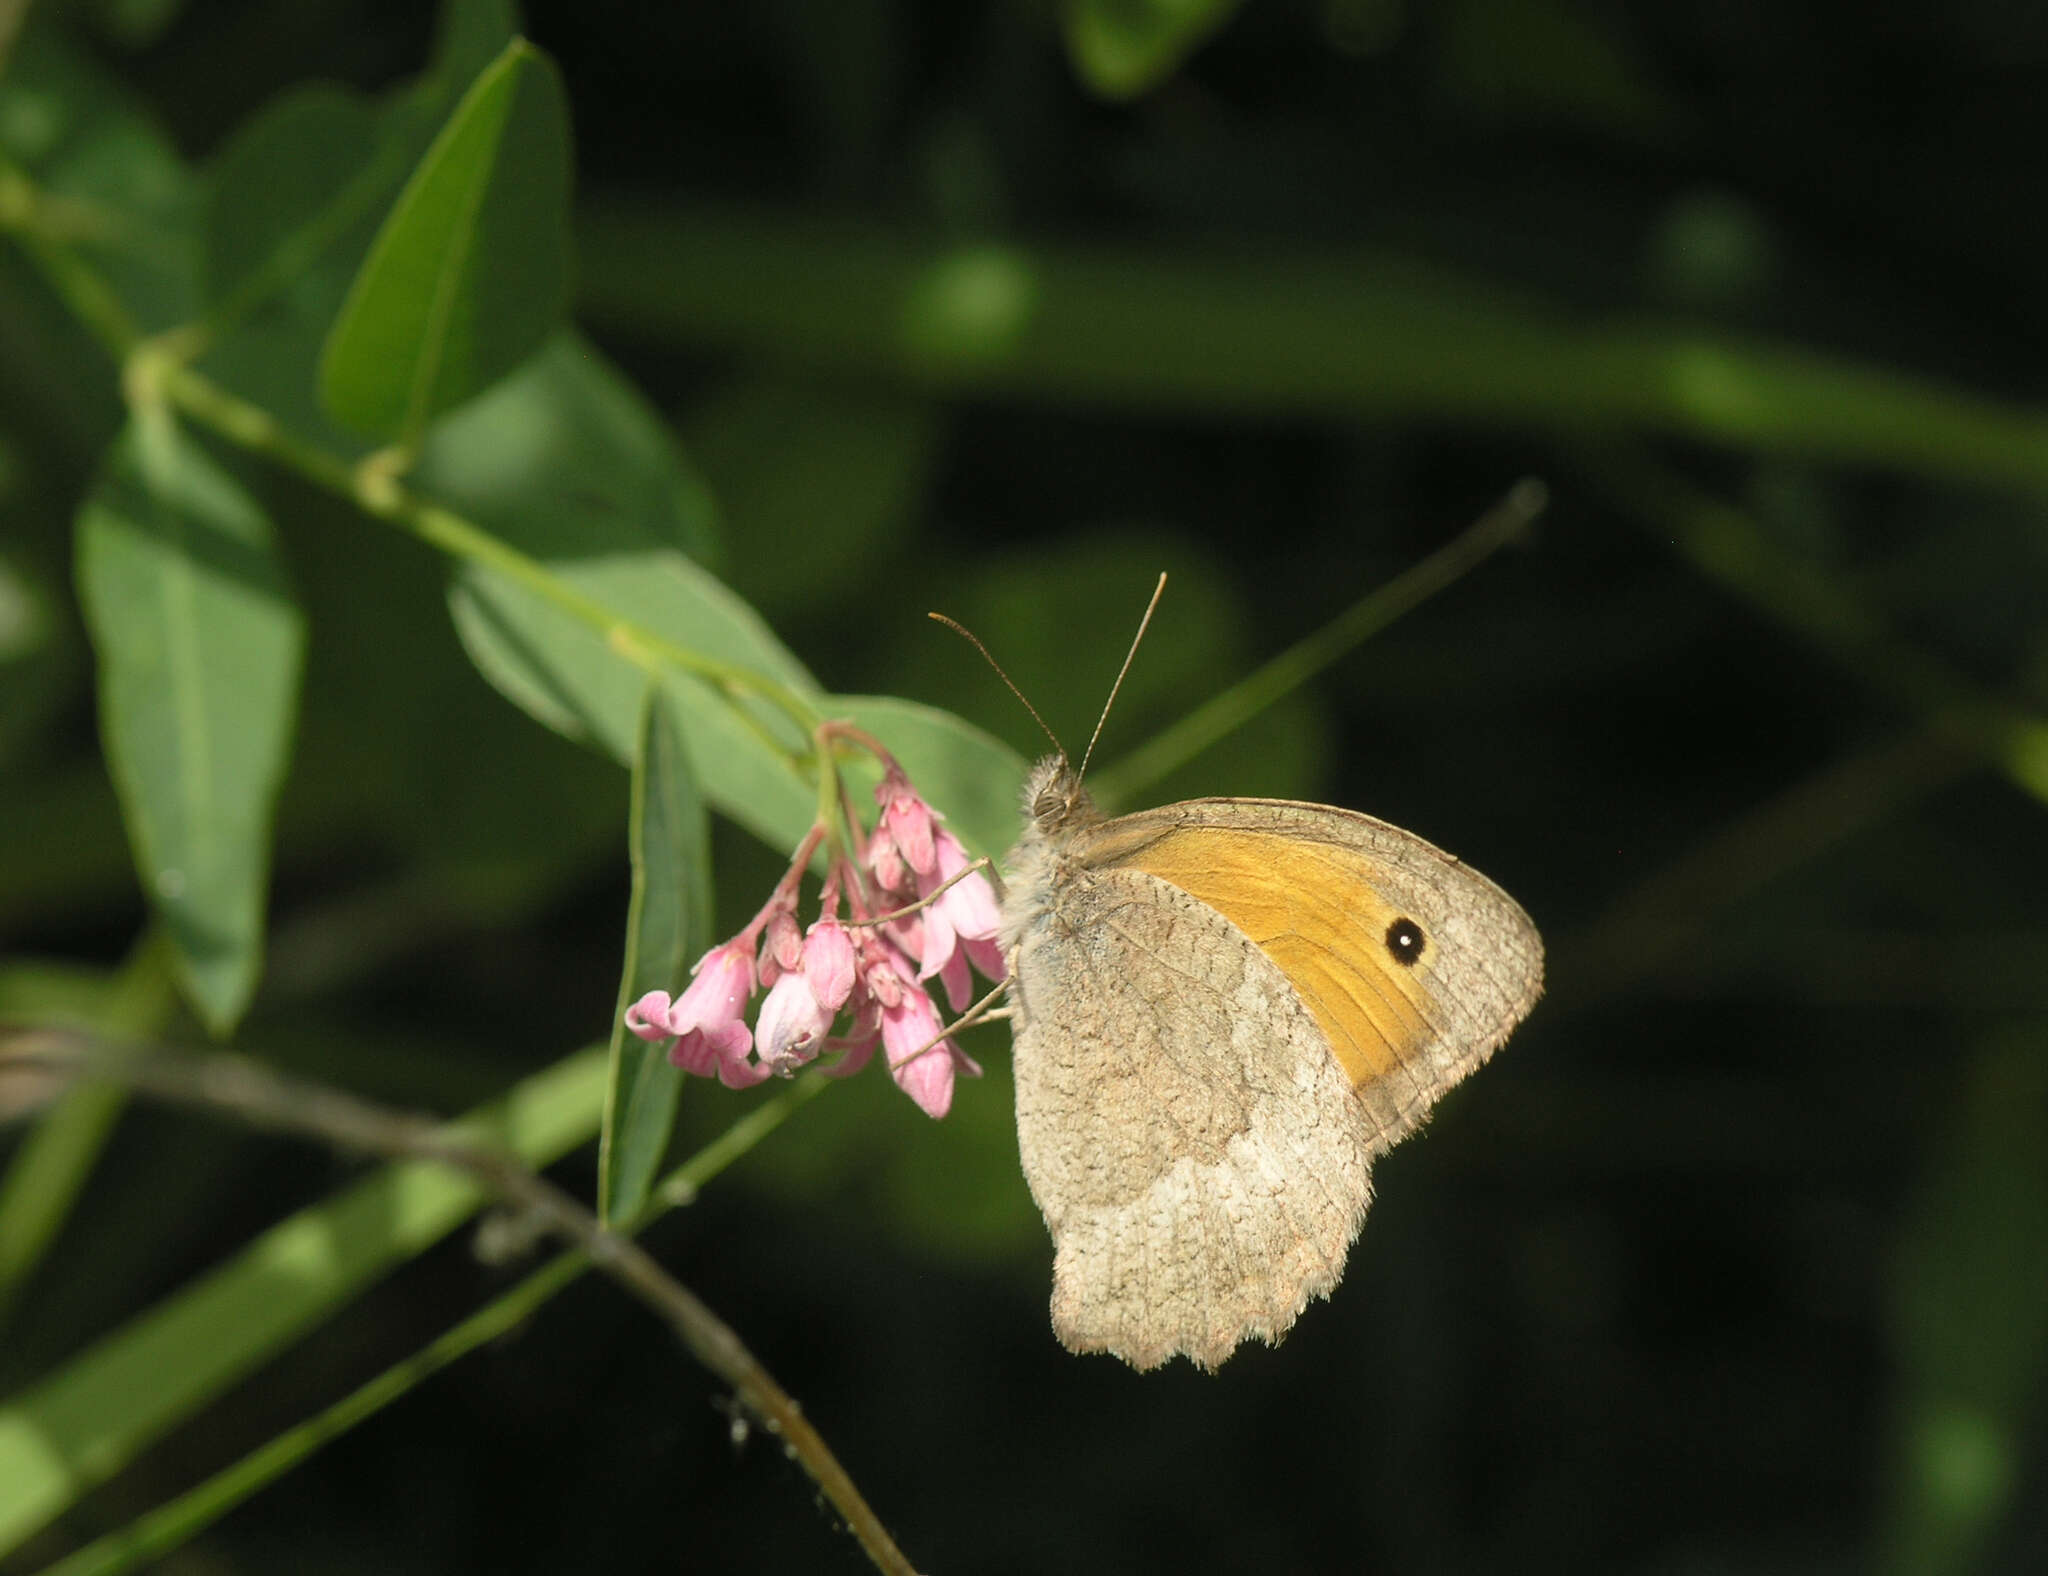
[974, 640]
[1143, 624]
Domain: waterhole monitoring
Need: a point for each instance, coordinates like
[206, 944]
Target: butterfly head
[1054, 800]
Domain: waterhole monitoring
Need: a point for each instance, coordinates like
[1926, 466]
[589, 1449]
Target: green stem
[1731, 547]
[56, 1160]
[177, 1521]
[1332, 335]
[1218, 717]
[158, 368]
[24, 215]
[371, 488]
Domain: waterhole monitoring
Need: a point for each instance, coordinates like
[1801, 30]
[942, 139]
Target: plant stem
[176, 1521]
[24, 215]
[159, 368]
[1216, 718]
[378, 493]
[255, 1094]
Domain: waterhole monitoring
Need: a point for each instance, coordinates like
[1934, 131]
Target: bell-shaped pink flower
[792, 1025]
[907, 820]
[801, 1005]
[922, 1070]
[923, 1066]
[963, 919]
[711, 1036]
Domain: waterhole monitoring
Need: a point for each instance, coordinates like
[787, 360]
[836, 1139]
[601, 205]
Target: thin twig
[264, 1098]
[1505, 522]
[1669, 919]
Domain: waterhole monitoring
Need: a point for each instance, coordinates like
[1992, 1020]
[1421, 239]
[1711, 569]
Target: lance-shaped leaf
[470, 273]
[668, 922]
[199, 643]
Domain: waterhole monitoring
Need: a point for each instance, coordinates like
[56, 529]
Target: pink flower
[885, 862]
[963, 919]
[922, 1065]
[782, 945]
[705, 1021]
[907, 820]
[791, 1025]
[802, 1004]
[946, 924]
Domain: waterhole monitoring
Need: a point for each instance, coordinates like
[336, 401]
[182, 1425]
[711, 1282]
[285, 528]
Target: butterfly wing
[1199, 1156]
[1414, 966]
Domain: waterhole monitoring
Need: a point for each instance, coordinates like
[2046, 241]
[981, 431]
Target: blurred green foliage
[1735, 1259]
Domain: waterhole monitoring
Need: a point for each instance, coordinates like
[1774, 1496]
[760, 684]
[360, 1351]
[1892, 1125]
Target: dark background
[1733, 1260]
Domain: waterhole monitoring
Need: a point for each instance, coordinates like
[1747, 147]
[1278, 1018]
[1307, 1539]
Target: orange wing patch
[1312, 908]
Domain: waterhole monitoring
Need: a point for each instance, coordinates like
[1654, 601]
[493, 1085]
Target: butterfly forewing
[1415, 966]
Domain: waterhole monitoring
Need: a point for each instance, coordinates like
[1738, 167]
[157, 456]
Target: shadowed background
[1736, 1258]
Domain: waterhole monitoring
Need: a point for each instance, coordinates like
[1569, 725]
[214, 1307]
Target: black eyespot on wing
[1404, 941]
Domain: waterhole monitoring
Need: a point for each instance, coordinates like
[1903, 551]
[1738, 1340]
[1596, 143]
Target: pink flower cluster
[916, 910]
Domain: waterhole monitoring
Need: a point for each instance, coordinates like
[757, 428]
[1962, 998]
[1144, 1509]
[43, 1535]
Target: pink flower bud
[829, 963]
[782, 947]
[923, 1066]
[922, 1070]
[885, 862]
[907, 819]
[793, 1024]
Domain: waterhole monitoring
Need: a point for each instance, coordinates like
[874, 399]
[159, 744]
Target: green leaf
[564, 462]
[813, 480]
[291, 181]
[1122, 47]
[570, 677]
[557, 464]
[129, 204]
[566, 454]
[468, 36]
[199, 644]
[50, 1169]
[469, 275]
[278, 288]
[668, 922]
[971, 777]
[297, 199]
[76, 1428]
[178, 1520]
